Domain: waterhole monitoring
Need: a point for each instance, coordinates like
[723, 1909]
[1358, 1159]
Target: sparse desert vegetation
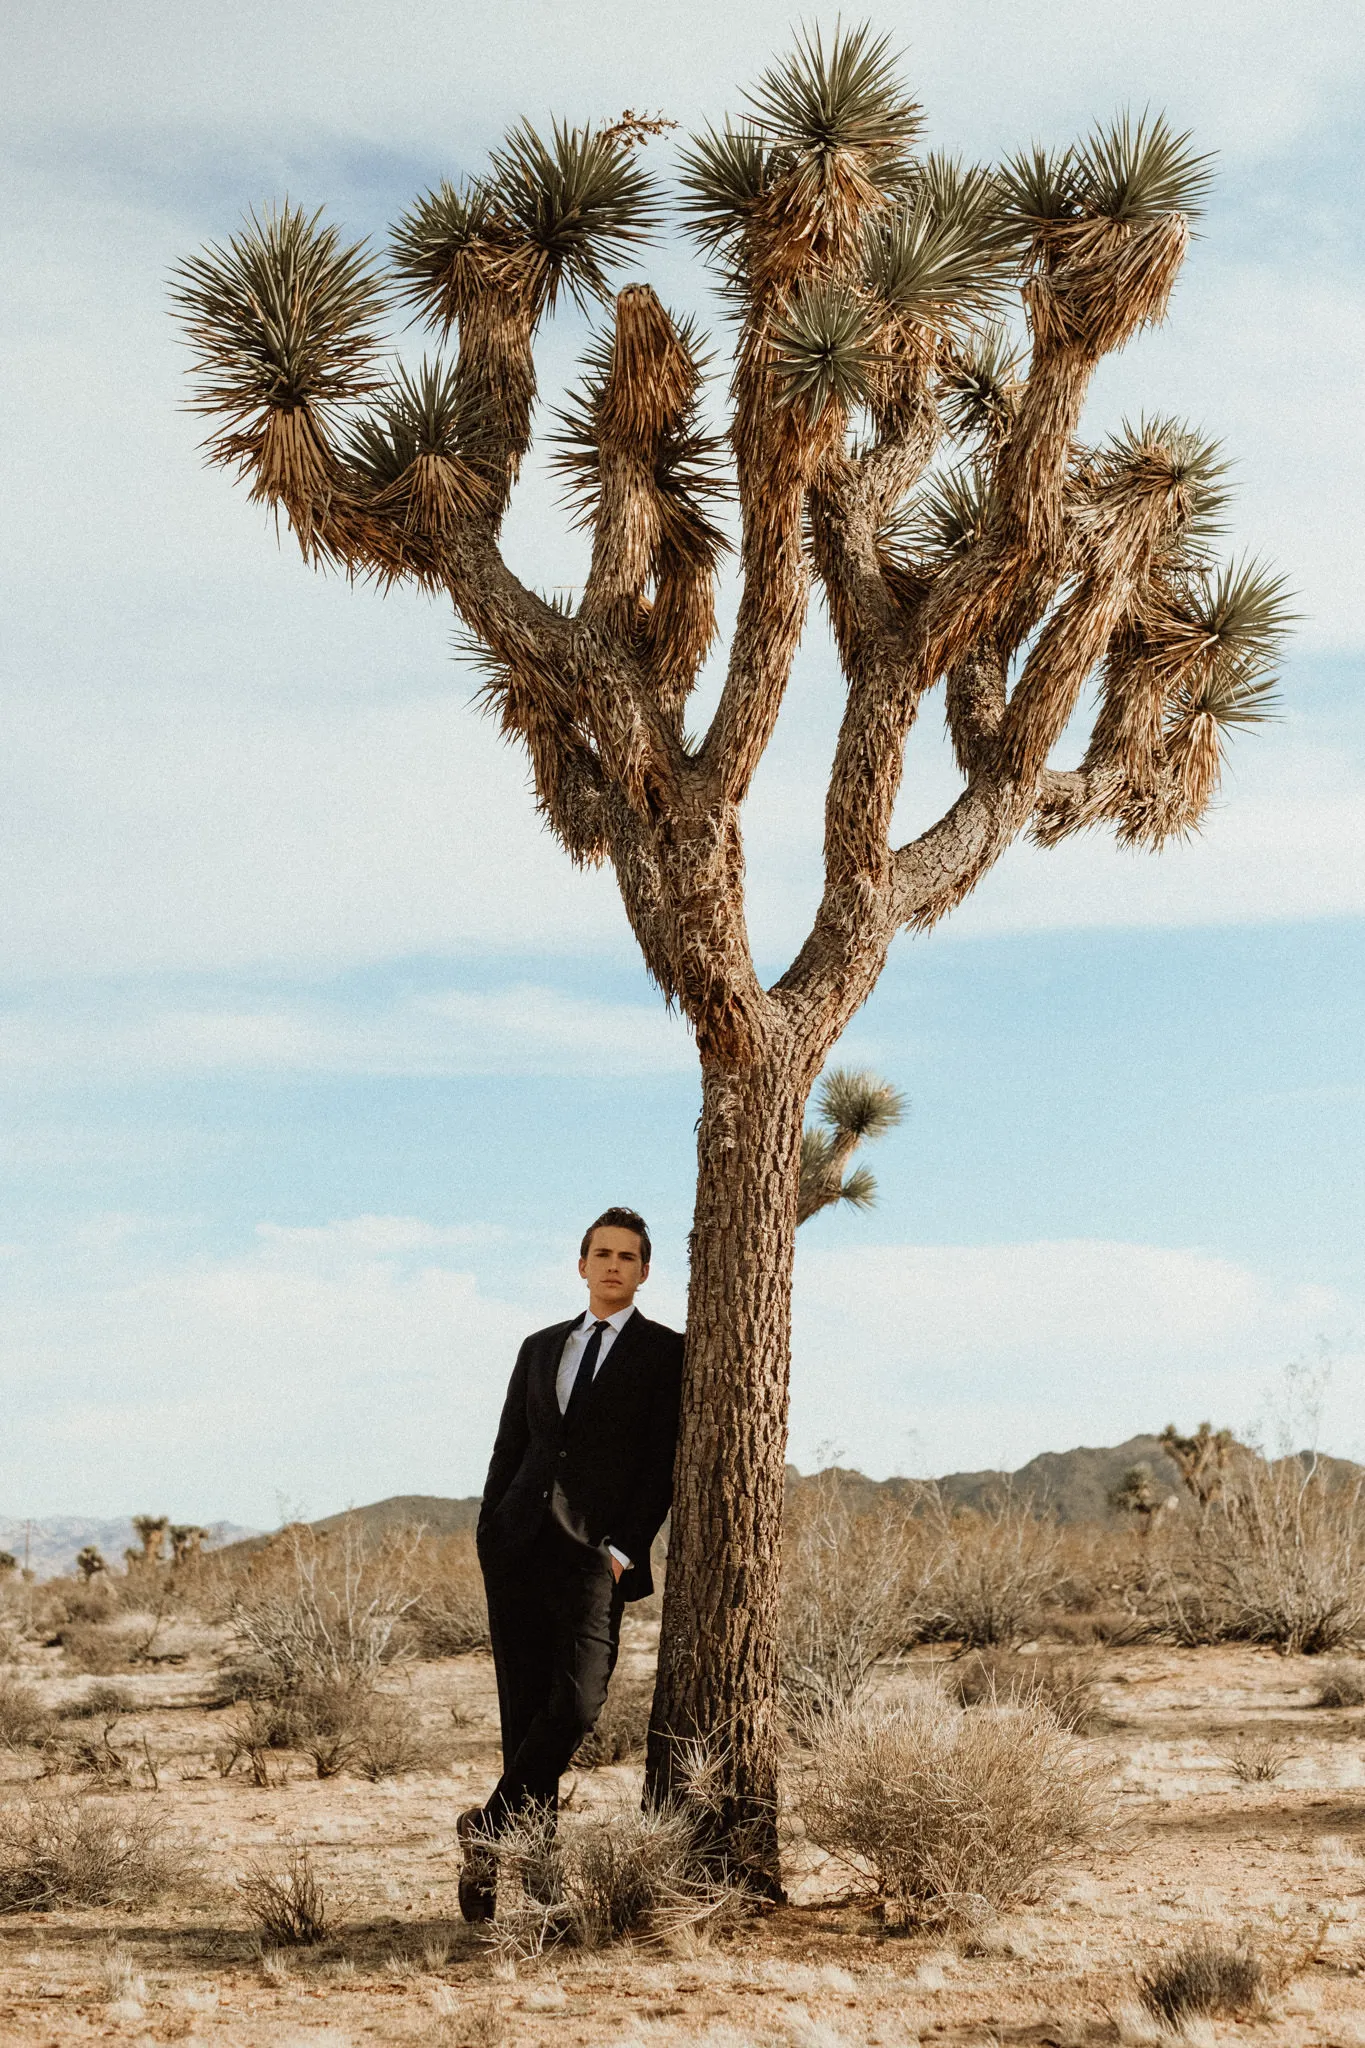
[1069, 1821]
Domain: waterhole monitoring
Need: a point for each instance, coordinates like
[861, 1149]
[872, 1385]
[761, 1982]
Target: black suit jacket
[607, 1475]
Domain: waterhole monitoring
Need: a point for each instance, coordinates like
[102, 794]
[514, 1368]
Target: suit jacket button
[545, 1495]
[563, 1454]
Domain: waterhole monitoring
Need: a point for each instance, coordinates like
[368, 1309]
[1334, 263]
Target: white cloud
[526, 1028]
[967, 1356]
[369, 1356]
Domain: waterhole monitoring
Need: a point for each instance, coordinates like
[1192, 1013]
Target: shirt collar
[616, 1322]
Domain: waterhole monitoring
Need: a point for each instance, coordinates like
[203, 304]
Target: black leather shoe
[479, 1872]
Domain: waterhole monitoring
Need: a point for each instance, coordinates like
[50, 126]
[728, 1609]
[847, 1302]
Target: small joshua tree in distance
[151, 1530]
[89, 1562]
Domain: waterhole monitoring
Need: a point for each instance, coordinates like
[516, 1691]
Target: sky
[316, 1055]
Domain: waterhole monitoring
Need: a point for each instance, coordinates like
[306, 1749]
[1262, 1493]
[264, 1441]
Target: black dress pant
[554, 1616]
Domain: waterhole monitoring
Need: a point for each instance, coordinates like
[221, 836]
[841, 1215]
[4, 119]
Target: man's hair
[619, 1219]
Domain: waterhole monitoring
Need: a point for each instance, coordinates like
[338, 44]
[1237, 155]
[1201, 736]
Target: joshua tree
[8, 1563]
[187, 1542]
[89, 1563]
[1201, 1460]
[892, 440]
[852, 1108]
[151, 1529]
[1136, 1495]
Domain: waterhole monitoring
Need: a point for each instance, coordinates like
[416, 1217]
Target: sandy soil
[1192, 1846]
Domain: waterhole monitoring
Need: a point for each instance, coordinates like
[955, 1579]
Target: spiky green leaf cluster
[581, 201]
[1235, 693]
[846, 97]
[948, 516]
[1163, 455]
[723, 176]
[426, 413]
[934, 272]
[858, 1105]
[859, 1189]
[1246, 611]
[1038, 187]
[822, 350]
[550, 217]
[430, 239]
[284, 316]
[1138, 171]
[980, 385]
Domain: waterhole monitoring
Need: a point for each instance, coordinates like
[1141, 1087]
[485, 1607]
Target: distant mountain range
[1073, 1485]
[51, 1542]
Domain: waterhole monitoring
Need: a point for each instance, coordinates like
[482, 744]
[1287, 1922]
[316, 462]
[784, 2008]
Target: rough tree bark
[718, 1645]
[869, 285]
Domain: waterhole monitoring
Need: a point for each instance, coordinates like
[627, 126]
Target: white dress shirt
[575, 1344]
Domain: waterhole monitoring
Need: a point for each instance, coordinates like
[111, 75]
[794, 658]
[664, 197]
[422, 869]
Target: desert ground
[1192, 1845]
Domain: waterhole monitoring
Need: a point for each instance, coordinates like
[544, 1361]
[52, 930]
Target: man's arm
[653, 1495]
[514, 1434]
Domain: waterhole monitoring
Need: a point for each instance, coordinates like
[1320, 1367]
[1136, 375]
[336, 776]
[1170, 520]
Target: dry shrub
[1258, 1759]
[450, 1614]
[98, 1647]
[338, 1726]
[25, 1723]
[59, 1850]
[600, 1877]
[102, 1702]
[852, 1588]
[1341, 1685]
[1206, 1978]
[1278, 1558]
[390, 1740]
[325, 1608]
[998, 1567]
[949, 1813]
[286, 1900]
[622, 1726]
[1066, 1686]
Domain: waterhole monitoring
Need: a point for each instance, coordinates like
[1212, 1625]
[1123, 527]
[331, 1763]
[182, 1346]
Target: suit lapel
[547, 1366]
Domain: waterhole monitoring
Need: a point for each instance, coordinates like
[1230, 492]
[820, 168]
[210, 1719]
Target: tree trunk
[718, 1669]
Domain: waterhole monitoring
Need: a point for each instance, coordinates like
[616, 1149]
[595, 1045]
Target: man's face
[613, 1269]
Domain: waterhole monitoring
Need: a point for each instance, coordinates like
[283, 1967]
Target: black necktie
[587, 1366]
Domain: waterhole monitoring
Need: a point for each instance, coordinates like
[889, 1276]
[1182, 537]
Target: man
[580, 1481]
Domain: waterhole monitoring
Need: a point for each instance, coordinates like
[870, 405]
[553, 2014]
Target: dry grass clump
[450, 1614]
[286, 1900]
[852, 1586]
[338, 1725]
[59, 1850]
[600, 1877]
[1258, 1759]
[1341, 1685]
[1066, 1686]
[998, 1567]
[1207, 1978]
[948, 1813]
[25, 1723]
[98, 1647]
[101, 1703]
[622, 1726]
